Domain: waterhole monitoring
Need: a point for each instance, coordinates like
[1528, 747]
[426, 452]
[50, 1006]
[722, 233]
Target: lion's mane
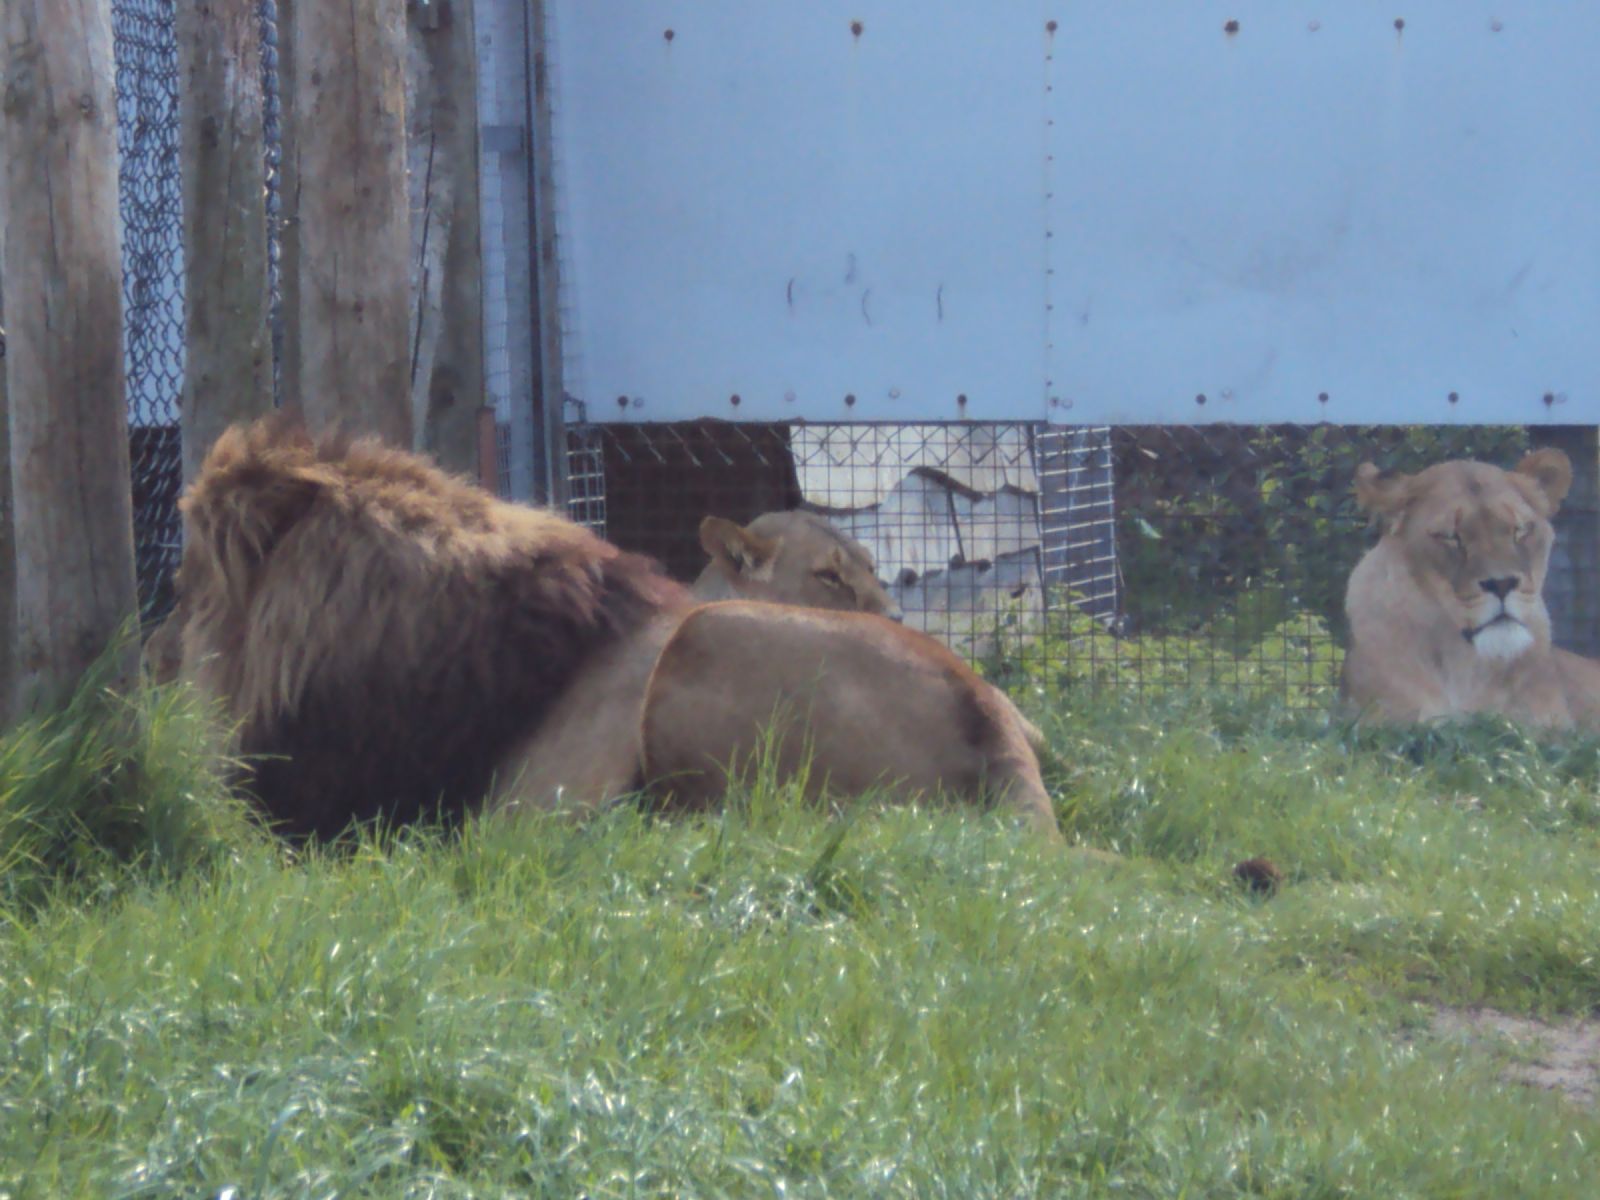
[382, 631]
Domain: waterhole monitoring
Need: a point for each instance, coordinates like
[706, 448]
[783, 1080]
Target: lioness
[791, 558]
[394, 641]
[803, 559]
[1447, 613]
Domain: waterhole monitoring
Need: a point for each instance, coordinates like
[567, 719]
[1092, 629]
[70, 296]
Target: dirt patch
[1555, 1055]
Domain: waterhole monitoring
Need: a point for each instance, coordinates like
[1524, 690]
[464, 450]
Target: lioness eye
[1449, 539]
[1524, 530]
[830, 577]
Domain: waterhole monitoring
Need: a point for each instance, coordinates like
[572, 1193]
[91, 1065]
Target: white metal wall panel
[774, 206]
[1383, 204]
[1086, 212]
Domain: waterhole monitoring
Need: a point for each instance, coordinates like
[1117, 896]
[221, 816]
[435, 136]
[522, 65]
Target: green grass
[769, 1002]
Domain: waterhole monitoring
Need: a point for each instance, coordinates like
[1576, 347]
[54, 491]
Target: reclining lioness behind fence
[803, 559]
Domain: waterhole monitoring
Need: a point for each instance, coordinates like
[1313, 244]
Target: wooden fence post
[347, 132]
[228, 368]
[8, 547]
[447, 285]
[68, 408]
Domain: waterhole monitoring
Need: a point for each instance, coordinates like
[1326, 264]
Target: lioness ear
[747, 553]
[1384, 496]
[1552, 471]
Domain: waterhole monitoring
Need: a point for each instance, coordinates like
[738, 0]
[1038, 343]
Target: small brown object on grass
[1260, 875]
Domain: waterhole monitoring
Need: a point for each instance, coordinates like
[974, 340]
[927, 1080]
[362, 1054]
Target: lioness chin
[1447, 613]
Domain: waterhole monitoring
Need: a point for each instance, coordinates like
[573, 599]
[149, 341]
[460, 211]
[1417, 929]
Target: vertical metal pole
[550, 460]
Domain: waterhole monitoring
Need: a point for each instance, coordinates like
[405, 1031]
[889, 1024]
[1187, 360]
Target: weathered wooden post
[64, 371]
[447, 330]
[228, 371]
[348, 328]
[8, 548]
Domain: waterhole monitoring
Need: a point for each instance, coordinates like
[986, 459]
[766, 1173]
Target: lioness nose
[1500, 587]
[895, 613]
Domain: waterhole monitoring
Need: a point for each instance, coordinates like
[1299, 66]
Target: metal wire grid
[150, 198]
[950, 513]
[1143, 557]
[586, 477]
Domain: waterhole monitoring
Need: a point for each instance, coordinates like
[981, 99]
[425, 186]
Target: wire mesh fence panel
[949, 514]
[1140, 557]
[150, 197]
[150, 186]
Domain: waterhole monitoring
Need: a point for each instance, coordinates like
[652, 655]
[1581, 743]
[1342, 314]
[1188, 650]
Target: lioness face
[791, 558]
[1477, 541]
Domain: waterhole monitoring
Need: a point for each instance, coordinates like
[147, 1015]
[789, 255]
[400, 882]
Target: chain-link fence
[151, 202]
[1138, 556]
[150, 195]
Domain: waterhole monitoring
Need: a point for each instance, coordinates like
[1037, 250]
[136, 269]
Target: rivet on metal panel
[1049, 26]
[668, 34]
[734, 400]
[850, 400]
[622, 402]
[788, 397]
[962, 399]
[1322, 397]
[855, 28]
[894, 393]
[1230, 27]
[638, 401]
[1200, 399]
[1495, 25]
[1549, 399]
[1399, 24]
[1454, 398]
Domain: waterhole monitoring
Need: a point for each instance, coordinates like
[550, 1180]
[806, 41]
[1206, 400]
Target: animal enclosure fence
[1085, 555]
[1129, 556]
[150, 198]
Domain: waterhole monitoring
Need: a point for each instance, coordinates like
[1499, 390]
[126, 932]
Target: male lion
[394, 641]
[803, 559]
[1447, 614]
